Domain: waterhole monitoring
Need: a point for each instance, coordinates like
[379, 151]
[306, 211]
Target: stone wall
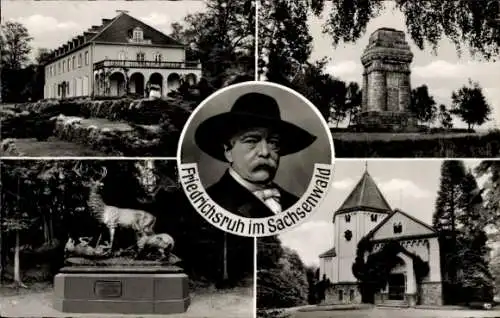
[350, 294]
[431, 293]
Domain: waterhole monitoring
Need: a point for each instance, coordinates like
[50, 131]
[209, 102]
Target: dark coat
[235, 198]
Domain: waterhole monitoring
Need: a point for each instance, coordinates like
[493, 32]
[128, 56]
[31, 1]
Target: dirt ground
[37, 302]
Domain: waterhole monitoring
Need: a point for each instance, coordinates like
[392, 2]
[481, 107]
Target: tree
[470, 104]
[43, 56]
[472, 24]
[353, 100]
[222, 38]
[284, 40]
[444, 218]
[491, 171]
[444, 117]
[15, 45]
[423, 105]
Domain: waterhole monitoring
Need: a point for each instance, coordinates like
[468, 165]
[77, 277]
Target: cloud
[345, 70]
[405, 187]
[38, 23]
[444, 69]
[156, 19]
[309, 240]
[343, 184]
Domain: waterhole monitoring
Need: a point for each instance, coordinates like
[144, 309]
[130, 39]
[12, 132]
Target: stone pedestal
[121, 289]
[431, 293]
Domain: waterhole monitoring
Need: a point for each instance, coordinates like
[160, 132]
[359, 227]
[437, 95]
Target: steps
[394, 303]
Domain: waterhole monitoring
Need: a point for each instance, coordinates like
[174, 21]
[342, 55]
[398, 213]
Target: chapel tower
[364, 208]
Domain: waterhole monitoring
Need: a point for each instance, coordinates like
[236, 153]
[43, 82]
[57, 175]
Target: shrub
[483, 146]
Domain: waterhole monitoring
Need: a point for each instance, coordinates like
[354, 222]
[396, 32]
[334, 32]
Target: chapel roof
[365, 196]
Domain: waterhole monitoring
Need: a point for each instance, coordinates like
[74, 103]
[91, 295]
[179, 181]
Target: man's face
[254, 154]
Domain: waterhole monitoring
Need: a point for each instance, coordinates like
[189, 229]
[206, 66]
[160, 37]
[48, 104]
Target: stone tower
[386, 83]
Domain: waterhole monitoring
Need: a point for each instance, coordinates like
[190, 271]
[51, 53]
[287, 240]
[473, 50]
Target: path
[234, 303]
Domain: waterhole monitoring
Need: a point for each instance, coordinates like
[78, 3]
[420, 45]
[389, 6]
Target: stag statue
[112, 217]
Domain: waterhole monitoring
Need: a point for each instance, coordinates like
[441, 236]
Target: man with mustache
[251, 138]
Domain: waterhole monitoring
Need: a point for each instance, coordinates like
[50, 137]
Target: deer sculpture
[112, 217]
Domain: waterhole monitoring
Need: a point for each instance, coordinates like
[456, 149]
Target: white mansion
[101, 60]
[365, 214]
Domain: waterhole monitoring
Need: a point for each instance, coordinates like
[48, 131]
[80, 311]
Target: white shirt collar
[246, 184]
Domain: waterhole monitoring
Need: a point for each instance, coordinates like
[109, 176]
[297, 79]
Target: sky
[442, 72]
[52, 23]
[410, 185]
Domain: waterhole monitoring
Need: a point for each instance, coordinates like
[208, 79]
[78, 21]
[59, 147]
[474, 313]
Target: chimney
[121, 11]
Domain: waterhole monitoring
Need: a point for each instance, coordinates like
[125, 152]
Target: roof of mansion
[365, 196]
[117, 30]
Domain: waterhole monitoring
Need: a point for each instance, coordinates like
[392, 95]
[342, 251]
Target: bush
[483, 146]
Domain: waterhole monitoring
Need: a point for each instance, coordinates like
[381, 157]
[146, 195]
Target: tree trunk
[225, 274]
[46, 234]
[17, 265]
[2, 244]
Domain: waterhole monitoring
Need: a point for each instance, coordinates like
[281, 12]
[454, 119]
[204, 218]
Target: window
[137, 34]
[374, 217]
[87, 58]
[398, 228]
[341, 295]
[351, 295]
[157, 57]
[69, 64]
[140, 56]
[74, 62]
[122, 56]
[80, 60]
[347, 218]
[348, 235]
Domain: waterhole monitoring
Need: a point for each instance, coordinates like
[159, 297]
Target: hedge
[114, 138]
[17, 123]
[441, 146]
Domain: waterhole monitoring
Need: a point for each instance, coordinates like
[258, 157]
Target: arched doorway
[137, 84]
[117, 84]
[191, 79]
[173, 81]
[157, 79]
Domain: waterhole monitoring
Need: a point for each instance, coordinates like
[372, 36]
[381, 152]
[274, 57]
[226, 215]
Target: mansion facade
[122, 50]
[405, 243]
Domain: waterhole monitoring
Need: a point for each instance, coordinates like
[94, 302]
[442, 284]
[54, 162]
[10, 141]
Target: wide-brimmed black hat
[250, 110]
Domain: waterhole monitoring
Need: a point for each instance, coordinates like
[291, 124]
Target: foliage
[15, 45]
[281, 277]
[430, 146]
[491, 190]
[272, 313]
[374, 273]
[221, 37]
[472, 24]
[423, 105]
[284, 40]
[470, 104]
[444, 117]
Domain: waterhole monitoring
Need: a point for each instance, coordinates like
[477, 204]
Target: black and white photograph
[258, 147]
[399, 79]
[115, 78]
[114, 238]
[395, 238]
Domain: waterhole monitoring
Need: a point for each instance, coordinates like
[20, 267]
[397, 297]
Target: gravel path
[235, 303]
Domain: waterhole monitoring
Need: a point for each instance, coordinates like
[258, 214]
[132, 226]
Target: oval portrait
[255, 159]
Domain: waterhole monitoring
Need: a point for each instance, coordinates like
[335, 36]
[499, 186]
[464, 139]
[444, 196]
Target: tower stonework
[386, 83]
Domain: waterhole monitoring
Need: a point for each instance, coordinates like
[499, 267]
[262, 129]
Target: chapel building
[102, 60]
[410, 246]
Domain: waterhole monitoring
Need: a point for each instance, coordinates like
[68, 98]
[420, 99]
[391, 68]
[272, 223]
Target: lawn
[53, 147]
[207, 302]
